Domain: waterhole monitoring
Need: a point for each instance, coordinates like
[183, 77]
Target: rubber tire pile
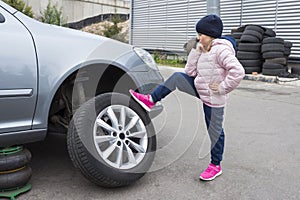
[14, 169]
[259, 50]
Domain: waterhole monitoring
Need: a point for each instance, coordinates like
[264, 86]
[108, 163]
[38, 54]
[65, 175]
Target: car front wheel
[111, 140]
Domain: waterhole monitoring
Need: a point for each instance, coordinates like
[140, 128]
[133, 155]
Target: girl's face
[204, 39]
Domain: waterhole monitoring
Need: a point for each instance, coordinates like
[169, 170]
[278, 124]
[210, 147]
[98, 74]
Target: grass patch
[172, 61]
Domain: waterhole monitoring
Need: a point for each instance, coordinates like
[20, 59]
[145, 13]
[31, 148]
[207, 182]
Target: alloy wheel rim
[120, 137]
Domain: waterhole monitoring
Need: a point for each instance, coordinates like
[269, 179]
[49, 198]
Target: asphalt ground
[261, 158]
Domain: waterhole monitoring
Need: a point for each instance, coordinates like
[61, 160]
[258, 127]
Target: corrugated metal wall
[231, 13]
[164, 25]
[168, 24]
[288, 23]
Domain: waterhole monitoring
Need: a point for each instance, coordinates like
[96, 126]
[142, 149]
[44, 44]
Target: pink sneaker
[143, 100]
[211, 172]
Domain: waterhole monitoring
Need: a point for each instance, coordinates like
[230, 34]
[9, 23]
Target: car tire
[254, 33]
[249, 38]
[237, 41]
[250, 70]
[251, 63]
[97, 134]
[245, 55]
[237, 35]
[192, 43]
[272, 47]
[15, 178]
[255, 28]
[295, 70]
[282, 60]
[273, 72]
[273, 54]
[273, 40]
[252, 47]
[241, 28]
[288, 44]
[269, 33]
[269, 65]
[287, 51]
[287, 48]
[14, 160]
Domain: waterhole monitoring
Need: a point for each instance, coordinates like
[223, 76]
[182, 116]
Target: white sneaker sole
[141, 103]
[212, 178]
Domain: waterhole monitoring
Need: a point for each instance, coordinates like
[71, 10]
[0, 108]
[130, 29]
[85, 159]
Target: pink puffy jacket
[219, 65]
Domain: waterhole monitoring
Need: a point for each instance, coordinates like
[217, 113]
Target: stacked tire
[237, 34]
[192, 43]
[295, 70]
[259, 50]
[287, 48]
[269, 33]
[14, 169]
[249, 49]
[273, 51]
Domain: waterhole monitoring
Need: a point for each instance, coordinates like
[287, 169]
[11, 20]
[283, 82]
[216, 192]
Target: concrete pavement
[261, 158]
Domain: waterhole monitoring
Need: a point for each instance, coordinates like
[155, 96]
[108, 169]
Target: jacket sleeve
[191, 65]
[235, 71]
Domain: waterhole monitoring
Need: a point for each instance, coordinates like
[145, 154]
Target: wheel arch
[82, 73]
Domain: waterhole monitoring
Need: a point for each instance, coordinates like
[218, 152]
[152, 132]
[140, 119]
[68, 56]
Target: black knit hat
[210, 25]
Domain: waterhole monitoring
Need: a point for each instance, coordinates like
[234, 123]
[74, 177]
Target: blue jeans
[214, 121]
[178, 80]
[213, 116]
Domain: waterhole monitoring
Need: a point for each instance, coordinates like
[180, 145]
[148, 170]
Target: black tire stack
[237, 34]
[14, 169]
[295, 70]
[249, 49]
[259, 50]
[192, 43]
[275, 54]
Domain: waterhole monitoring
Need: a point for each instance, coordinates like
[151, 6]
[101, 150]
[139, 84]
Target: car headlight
[146, 57]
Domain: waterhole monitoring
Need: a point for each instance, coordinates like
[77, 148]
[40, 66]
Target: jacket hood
[225, 42]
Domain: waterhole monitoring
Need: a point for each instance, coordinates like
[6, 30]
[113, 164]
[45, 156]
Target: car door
[18, 75]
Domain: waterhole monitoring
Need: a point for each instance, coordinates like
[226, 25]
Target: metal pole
[213, 7]
[276, 17]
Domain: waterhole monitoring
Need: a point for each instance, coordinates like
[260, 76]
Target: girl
[211, 72]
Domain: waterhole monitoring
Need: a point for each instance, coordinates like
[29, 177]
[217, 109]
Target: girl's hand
[200, 47]
[214, 87]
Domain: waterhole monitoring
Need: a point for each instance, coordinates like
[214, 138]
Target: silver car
[55, 79]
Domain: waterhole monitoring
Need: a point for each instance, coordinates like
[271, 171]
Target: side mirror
[2, 18]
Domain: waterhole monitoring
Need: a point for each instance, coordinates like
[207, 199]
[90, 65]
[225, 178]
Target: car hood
[65, 46]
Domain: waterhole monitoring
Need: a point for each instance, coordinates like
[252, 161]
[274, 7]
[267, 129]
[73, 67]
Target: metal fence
[167, 25]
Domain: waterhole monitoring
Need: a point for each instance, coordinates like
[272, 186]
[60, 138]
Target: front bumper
[145, 78]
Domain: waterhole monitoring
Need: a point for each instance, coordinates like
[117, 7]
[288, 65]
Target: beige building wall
[76, 10]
